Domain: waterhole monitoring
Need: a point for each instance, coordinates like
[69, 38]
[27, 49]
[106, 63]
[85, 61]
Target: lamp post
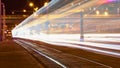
[31, 4]
[4, 24]
[0, 23]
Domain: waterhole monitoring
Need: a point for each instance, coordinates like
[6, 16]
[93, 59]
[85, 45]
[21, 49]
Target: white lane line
[49, 58]
[57, 62]
[101, 45]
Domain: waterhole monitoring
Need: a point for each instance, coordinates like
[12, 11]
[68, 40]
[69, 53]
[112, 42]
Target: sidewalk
[13, 55]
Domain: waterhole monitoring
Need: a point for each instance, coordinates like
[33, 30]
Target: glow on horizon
[106, 1]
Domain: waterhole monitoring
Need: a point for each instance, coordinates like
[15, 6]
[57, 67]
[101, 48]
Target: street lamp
[35, 9]
[31, 4]
[24, 10]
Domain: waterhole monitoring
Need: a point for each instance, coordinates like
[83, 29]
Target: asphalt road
[13, 55]
[72, 57]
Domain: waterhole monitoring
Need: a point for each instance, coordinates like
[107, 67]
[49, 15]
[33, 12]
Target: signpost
[0, 22]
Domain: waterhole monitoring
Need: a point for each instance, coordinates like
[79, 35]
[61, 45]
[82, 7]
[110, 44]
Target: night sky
[18, 5]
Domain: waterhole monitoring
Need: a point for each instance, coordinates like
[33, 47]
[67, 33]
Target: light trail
[68, 44]
[62, 39]
[74, 38]
[61, 20]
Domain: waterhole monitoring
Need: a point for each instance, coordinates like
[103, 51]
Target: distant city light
[24, 10]
[97, 12]
[107, 1]
[36, 8]
[106, 13]
[35, 15]
[46, 3]
[13, 12]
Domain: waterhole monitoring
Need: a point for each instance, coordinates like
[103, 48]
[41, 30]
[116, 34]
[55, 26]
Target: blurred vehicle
[64, 17]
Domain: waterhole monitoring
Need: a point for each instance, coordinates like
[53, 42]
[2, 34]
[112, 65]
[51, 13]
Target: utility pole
[0, 22]
[81, 27]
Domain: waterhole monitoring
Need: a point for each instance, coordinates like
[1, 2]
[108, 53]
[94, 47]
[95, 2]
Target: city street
[13, 55]
[70, 55]
[60, 34]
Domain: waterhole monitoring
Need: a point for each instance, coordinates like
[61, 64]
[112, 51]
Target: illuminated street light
[24, 10]
[36, 8]
[31, 4]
